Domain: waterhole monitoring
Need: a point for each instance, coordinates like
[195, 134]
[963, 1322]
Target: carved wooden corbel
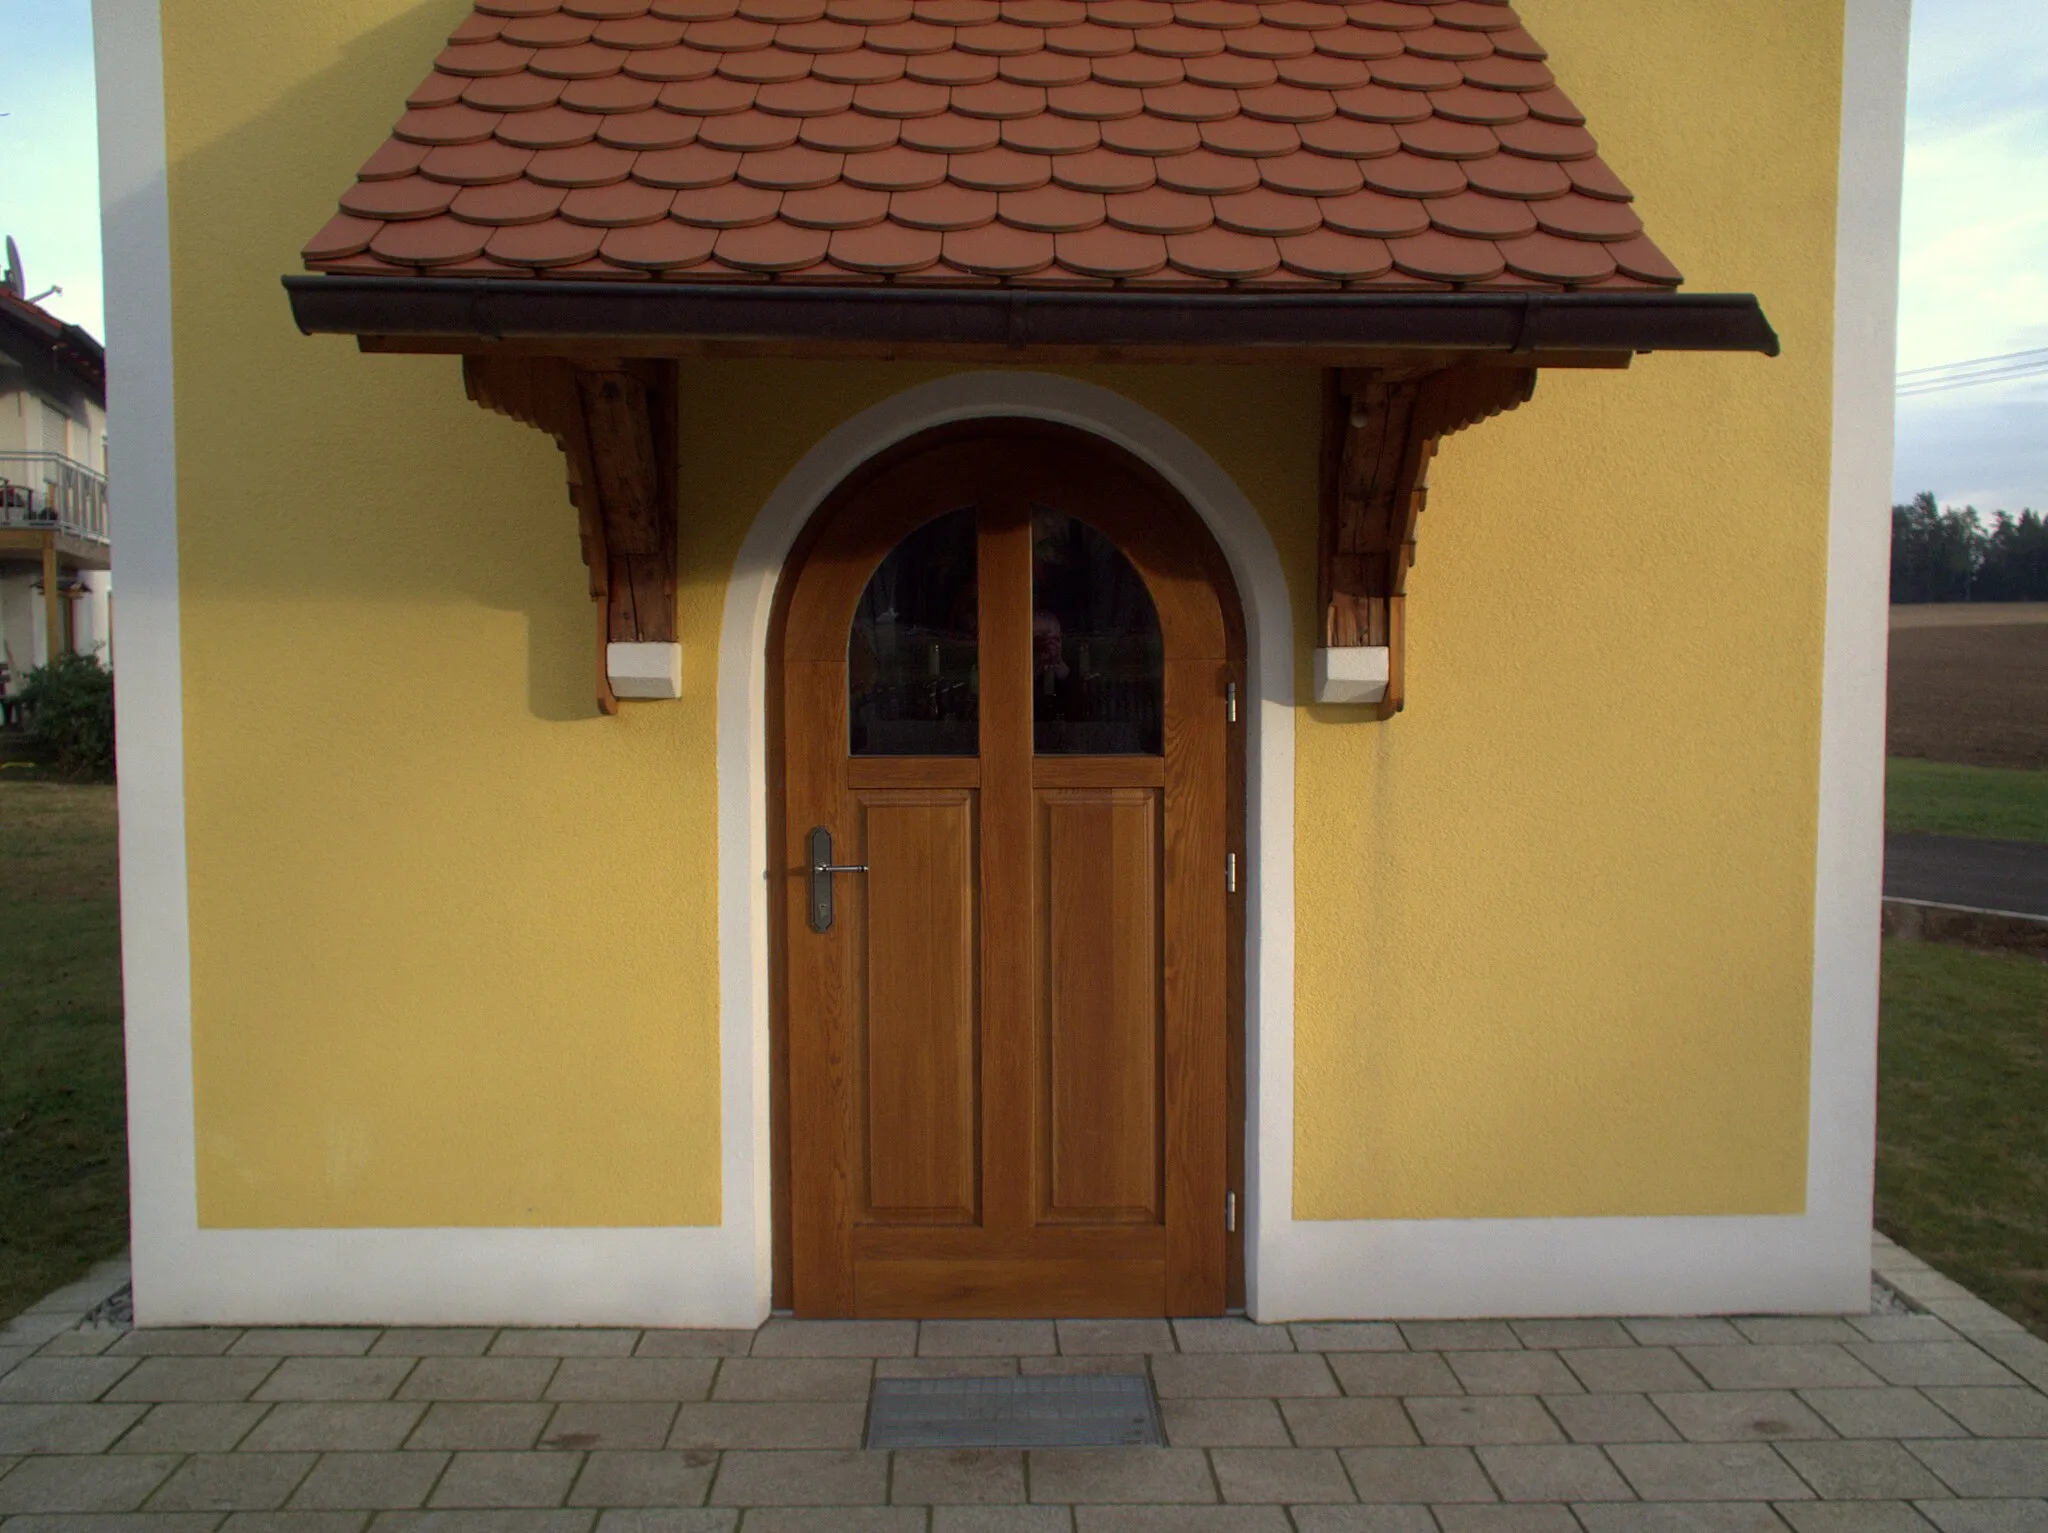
[614, 422]
[1380, 434]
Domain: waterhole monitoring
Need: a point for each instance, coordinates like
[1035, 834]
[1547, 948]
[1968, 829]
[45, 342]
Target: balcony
[48, 492]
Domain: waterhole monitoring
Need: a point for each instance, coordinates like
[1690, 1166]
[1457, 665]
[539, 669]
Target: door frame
[996, 427]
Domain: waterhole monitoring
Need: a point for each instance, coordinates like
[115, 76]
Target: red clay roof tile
[1389, 145]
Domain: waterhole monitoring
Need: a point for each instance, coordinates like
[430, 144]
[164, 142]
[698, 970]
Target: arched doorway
[1003, 679]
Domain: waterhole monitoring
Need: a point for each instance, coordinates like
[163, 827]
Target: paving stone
[1459, 1335]
[506, 1520]
[507, 1479]
[1987, 1516]
[926, 1475]
[1683, 1331]
[1227, 1423]
[1902, 1328]
[1001, 1519]
[55, 1380]
[1506, 1519]
[1854, 1517]
[950, 1367]
[1094, 1338]
[1861, 1471]
[836, 1338]
[633, 1378]
[1804, 1366]
[808, 1379]
[986, 1338]
[370, 1481]
[1630, 1370]
[1992, 1412]
[1364, 1519]
[1394, 1373]
[609, 1424]
[480, 1427]
[564, 1343]
[1179, 1519]
[644, 1479]
[694, 1343]
[177, 1341]
[1974, 1318]
[1523, 1473]
[296, 1522]
[328, 1426]
[1126, 1475]
[1349, 1336]
[1492, 1419]
[1923, 1285]
[1790, 1330]
[836, 1519]
[116, 1522]
[214, 1427]
[1520, 1372]
[769, 1425]
[61, 1483]
[335, 1378]
[1707, 1472]
[305, 1342]
[1682, 1517]
[478, 1378]
[1558, 1334]
[773, 1477]
[1417, 1475]
[1610, 1419]
[79, 1343]
[1047, 1367]
[1881, 1413]
[1243, 1375]
[668, 1519]
[229, 1482]
[1374, 1422]
[1231, 1335]
[1288, 1476]
[63, 1428]
[1763, 1415]
[194, 1378]
[433, 1341]
[2002, 1469]
[1953, 1363]
[2024, 1354]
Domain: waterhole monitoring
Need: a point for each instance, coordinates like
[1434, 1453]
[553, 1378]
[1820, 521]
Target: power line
[1916, 381]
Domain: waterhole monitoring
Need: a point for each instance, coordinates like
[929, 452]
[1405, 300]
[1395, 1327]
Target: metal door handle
[822, 869]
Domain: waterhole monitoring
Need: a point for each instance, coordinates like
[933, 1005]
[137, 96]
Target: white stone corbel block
[1352, 676]
[644, 670]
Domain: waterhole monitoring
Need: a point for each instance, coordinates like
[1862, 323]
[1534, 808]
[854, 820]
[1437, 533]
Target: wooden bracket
[1380, 434]
[615, 424]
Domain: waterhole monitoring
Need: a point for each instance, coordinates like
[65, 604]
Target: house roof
[1181, 145]
[37, 339]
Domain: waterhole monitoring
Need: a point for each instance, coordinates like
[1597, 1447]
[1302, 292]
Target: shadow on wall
[312, 474]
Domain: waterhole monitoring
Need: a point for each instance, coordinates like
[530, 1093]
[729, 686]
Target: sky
[1974, 251]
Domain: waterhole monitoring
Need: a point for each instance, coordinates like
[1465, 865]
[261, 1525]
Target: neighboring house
[1037, 817]
[53, 485]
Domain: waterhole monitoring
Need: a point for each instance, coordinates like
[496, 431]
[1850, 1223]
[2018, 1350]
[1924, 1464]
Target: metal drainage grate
[1107, 1410]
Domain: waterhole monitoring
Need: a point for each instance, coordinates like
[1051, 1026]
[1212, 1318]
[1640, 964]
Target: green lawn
[63, 1150]
[1943, 799]
[1962, 1119]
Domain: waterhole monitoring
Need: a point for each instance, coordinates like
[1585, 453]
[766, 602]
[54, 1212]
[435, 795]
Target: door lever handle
[822, 868]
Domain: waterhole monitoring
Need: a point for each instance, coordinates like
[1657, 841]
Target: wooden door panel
[921, 1096]
[1024, 1287]
[1098, 1056]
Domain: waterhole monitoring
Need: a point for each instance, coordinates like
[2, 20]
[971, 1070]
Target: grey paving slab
[1095, 1338]
[1364, 1519]
[667, 1478]
[1903, 1328]
[79, 1343]
[1044, 1367]
[1740, 1415]
[836, 1519]
[296, 1522]
[506, 1479]
[369, 1481]
[1281, 1476]
[1974, 1318]
[793, 1378]
[64, 1428]
[1224, 1424]
[480, 1426]
[986, 1338]
[1995, 1468]
[1349, 1336]
[769, 1424]
[1819, 1365]
[1506, 1519]
[564, 1343]
[335, 1378]
[668, 1519]
[1786, 1330]
[1987, 1516]
[694, 1344]
[116, 1522]
[192, 1378]
[33, 1330]
[1682, 1517]
[1161, 1475]
[229, 1482]
[1696, 1331]
[1553, 1473]
[1181, 1519]
[202, 1427]
[478, 1378]
[1200, 1335]
[1952, 1363]
[188, 1341]
[609, 1424]
[836, 1338]
[504, 1520]
[1490, 1419]
[1992, 1412]
[1863, 1471]
[959, 1367]
[1241, 1375]
[954, 1475]
[801, 1477]
[1610, 1419]
[1557, 1334]
[50, 1380]
[305, 1342]
[433, 1341]
[1370, 1422]
[1521, 1372]
[1854, 1517]
[633, 1378]
[1417, 1475]
[1002, 1519]
[1708, 1472]
[1881, 1413]
[102, 1483]
[1459, 1335]
[1630, 1370]
[1394, 1373]
[2024, 1354]
[328, 1426]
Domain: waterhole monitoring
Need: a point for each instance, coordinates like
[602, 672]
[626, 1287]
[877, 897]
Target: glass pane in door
[1097, 665]
[912, 660]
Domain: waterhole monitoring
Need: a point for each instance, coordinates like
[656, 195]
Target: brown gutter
[492, 309]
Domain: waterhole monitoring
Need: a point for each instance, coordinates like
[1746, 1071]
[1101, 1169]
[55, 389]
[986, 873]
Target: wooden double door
[1007, 667]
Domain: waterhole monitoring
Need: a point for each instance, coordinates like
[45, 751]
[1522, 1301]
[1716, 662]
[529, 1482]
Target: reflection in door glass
[912, 659]
[1097, 663]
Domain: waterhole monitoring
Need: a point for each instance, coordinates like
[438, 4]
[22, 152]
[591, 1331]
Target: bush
[68, 708]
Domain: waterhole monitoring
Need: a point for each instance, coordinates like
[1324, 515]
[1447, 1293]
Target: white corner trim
[644, 670]
[1352, 675]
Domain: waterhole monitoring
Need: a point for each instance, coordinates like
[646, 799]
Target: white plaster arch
[743, 758]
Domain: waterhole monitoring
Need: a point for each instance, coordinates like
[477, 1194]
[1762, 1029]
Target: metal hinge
[1230, 702]
[1230, 1213]
[1230, 872]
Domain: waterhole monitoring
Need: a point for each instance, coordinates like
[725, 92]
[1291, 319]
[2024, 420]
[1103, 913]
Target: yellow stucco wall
[455, 939]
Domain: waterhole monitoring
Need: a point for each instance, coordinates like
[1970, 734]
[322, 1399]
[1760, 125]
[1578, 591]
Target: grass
[63, 1143]
[1962, 1120]
[1943, 799]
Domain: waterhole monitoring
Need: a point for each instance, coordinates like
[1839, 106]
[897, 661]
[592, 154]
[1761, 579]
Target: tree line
[1945, 554]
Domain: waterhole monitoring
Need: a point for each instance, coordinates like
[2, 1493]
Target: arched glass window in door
[1098, 666]
[912, 660]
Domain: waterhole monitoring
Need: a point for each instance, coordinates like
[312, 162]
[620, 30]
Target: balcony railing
[47, 491]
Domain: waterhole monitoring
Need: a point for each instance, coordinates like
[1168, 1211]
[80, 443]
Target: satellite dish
[17, 284]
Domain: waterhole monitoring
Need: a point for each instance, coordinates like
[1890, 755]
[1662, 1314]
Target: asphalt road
[1954, 870]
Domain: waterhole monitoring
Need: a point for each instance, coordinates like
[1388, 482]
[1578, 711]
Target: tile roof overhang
[1274, 175]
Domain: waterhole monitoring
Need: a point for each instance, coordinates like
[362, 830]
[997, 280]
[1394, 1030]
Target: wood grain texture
[1012, 1286]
